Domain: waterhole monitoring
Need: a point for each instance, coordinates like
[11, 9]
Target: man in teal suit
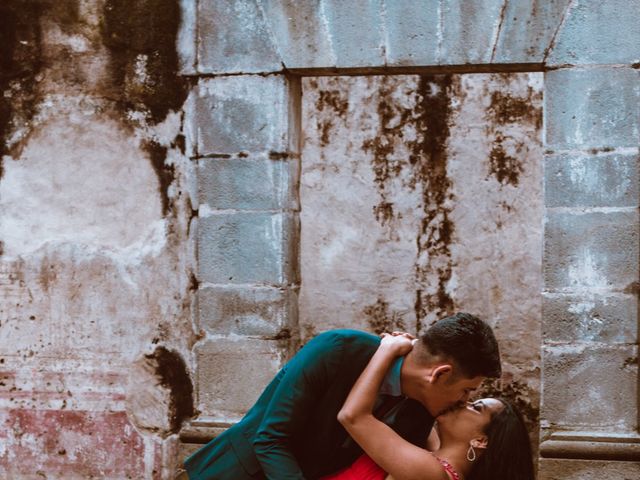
[292, 431]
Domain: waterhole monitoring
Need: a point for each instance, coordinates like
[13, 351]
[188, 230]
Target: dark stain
[282, 334]
[20, 63]
[429, 157]
[427, 167]
[278, 155]
[336, 101]
[141, 35]
[595, 151]
[633, 288]
[630, 361]
[194, 283]
[165, 173]
[520, 395]
[382, 146]
[504, 167]
[505, 108]
[172, 373]
[383, 212]
[46, 275]
[380, 320]
[180, 143]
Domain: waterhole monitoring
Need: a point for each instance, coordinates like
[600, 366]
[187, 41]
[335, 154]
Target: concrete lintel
[202, 430]
[592, 446]
[417, 70]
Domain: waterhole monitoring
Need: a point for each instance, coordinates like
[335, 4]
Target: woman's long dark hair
[508, 453]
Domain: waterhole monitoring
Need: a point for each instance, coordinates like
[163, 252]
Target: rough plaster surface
[95, 264]
[406, 218]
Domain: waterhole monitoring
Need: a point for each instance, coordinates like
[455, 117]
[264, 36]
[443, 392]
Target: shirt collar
[391, 385]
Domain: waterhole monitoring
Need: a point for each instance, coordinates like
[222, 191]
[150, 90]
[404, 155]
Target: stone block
[527, 30]
[598, 33]
[257, 311]
[561, 469]
[580, 382]
[412, 31]
[469, 30]
[356, 32]
[247, 184]
[591, 251]
[583, 180]
[232, 373]
[301, 32]
[240, 114]
[597, 107]
[257, 248]
[186, 43]
[233, 37]
[590, 318]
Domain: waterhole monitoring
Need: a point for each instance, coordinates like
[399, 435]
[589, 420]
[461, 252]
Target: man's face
[448, 391]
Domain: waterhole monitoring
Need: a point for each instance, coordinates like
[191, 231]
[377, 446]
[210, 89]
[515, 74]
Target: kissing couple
[353, 406]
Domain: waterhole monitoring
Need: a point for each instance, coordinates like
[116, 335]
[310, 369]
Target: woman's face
[469, 421]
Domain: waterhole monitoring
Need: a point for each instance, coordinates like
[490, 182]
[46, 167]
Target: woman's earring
[471, 454]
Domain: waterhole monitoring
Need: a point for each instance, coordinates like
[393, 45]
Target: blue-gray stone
[599, 32]
[240, 114]
[527, 30]
[594, 107]
[247, 183]
[469, 30]
[240, 310]
[578, 381]
[356, 32]
[591, 251]
[412, 31]
[590, 317]
[588, 180]
[301, 32]
[233, 37]
[248, 248]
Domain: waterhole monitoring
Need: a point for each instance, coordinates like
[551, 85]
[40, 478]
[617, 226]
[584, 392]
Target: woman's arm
[398, 457]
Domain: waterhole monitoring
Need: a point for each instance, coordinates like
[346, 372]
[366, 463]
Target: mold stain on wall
[439, 210]
[94, 269]
[20, 64]
[426, 163]
[506, 111]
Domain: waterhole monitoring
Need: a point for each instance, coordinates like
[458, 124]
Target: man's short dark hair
[468, 341]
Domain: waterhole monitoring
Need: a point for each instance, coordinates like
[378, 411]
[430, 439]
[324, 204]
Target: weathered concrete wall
[590, 142]
[421, 196]
[97, 198]
[95, 264]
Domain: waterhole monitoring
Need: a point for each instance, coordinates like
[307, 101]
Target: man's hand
[397, 343]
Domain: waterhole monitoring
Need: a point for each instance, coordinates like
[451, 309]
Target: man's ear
[480, 442]
[441, 372]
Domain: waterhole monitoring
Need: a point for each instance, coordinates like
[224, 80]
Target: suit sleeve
[305, 378]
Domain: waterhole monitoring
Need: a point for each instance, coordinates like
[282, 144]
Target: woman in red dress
[483, 440]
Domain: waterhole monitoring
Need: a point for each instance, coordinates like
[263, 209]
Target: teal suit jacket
[292, 431]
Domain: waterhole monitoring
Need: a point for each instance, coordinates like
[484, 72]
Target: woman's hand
[397, 343]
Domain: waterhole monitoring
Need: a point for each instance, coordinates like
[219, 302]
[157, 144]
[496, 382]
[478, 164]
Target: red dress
[366, 469]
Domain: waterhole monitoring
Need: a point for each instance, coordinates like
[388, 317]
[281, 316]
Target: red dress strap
[448, 468]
